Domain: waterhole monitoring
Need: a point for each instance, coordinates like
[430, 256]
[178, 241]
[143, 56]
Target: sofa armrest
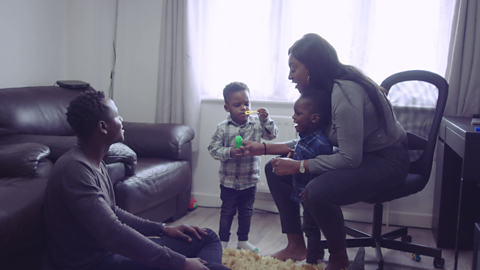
[119, 152]
[171, 141]
[21, 160]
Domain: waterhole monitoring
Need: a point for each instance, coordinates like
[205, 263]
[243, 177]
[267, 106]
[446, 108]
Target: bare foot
[296, 254]
[295, 250]
[338, 261]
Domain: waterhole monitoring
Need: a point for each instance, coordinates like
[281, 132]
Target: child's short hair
[319, 102]
[233, 87]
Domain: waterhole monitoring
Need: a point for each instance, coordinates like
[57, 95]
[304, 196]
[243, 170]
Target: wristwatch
[162, 226]
[302, 169]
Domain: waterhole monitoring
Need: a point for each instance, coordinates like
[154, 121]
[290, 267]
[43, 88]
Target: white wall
[90, 34]
[138, 38]
[45, 41]
[49, 40]
[33, 38]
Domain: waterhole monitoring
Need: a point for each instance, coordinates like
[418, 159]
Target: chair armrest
[171, 141]
[22, 159]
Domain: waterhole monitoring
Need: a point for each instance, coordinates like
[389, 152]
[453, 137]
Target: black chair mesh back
[419, 99]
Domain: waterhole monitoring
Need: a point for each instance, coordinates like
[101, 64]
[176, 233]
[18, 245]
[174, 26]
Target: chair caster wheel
[406, 238]
[416, 257]
[439, 263]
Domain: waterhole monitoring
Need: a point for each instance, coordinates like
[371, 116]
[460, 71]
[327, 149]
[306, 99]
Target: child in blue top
[239, 174]
[312, 114]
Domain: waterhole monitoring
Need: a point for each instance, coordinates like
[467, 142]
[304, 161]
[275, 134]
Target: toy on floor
[416, 257]
[193, 204]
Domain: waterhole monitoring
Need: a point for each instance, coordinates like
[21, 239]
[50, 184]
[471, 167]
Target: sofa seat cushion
[21, 217]
[155, 181]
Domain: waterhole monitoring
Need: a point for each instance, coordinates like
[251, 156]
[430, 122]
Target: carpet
[236, 259]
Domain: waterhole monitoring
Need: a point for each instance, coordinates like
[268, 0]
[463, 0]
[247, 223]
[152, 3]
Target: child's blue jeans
[233, 200]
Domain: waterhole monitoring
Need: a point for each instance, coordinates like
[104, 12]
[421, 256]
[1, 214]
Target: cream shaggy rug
[248, 260]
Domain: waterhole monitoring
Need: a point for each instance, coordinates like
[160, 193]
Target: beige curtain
[177, 99]
[463, 68]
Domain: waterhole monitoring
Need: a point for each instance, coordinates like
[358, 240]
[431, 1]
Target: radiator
[286, 132]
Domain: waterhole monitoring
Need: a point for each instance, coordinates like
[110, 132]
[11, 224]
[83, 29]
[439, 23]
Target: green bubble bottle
[238, 141]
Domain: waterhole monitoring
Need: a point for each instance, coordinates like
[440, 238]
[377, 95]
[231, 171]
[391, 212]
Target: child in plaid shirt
[312, 113]
[239, 174]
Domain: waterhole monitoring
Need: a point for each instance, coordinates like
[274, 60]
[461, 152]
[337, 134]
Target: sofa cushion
[21, 160]
[36, 110]
[170, 141]
[58, 145]
[21, 217]
[155, 181]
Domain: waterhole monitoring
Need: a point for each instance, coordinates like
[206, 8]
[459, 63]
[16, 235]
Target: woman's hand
[285, 166]
[251, 148]
[178, 231]
[195, 264]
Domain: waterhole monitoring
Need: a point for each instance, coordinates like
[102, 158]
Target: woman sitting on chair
[372, 152]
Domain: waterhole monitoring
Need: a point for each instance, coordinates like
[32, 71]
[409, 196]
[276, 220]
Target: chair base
[378, 240]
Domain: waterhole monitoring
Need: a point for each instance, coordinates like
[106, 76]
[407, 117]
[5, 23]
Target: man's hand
[285, 166]
[195, 264]
[178, 231]
[236, 152]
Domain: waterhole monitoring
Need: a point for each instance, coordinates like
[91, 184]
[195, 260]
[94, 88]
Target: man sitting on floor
[85, 228]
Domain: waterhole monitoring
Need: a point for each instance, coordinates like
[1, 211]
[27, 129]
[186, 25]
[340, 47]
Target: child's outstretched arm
[270, 130]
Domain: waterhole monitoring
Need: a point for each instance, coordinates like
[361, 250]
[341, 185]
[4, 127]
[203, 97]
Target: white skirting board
[360, 212]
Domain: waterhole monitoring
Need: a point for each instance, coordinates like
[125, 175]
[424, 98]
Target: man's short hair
[84, 112]
[233, 87]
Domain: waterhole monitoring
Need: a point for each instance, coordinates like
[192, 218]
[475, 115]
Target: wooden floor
[265, 234]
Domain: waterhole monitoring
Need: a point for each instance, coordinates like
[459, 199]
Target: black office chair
[416, 180]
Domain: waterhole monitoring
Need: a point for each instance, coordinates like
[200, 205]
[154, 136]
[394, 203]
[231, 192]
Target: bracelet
[265, 147]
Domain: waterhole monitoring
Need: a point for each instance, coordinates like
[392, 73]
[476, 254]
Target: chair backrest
[423, 165]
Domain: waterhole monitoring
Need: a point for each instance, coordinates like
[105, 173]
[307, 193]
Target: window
[248, 40]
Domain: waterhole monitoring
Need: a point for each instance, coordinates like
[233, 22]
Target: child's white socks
[224, 244]
[246, 245]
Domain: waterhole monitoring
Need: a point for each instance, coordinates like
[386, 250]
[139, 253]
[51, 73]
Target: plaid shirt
[240, 173]
[308, 147]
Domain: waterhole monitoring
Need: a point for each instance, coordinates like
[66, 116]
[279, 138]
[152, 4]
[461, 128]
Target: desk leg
[446, 200]
[458, 226]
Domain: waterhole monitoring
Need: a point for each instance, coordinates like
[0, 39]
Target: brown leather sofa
[151, 169]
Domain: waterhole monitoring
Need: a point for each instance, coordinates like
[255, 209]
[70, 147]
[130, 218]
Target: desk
[457, 183]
